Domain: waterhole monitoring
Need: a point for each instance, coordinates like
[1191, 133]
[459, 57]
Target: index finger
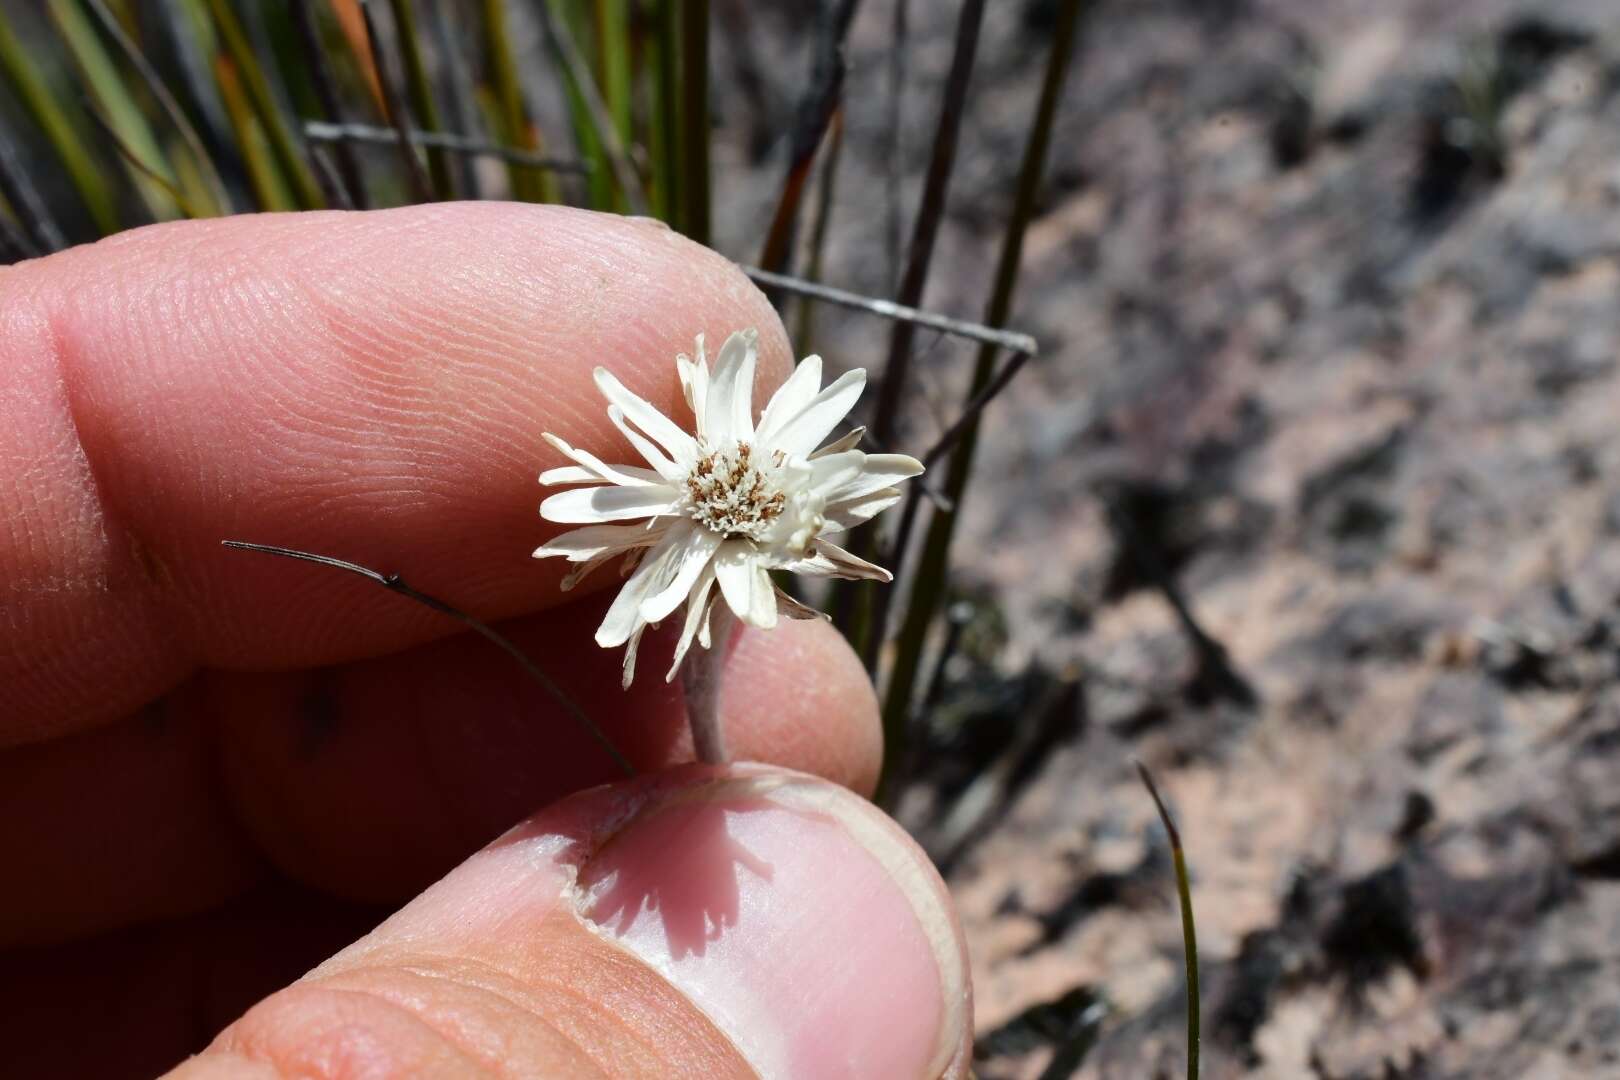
[372, 386]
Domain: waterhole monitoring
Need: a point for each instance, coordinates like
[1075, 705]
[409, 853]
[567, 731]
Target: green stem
[665, 114]
[420, 89]
[527, 185]
[252, 80]
[694, 134]
[1189, 931]
[928, 584]
[63, 137]
[148, 167]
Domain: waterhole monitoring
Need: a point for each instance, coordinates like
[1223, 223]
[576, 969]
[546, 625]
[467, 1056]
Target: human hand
[216, 768]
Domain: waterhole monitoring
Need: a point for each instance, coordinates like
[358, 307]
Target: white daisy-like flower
[724, 505]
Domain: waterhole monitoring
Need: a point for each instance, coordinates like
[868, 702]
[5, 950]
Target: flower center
[730, 494]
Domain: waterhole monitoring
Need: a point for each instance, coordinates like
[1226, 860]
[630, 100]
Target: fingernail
[801, 920]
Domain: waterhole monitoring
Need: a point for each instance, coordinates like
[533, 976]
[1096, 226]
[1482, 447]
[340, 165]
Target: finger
[372, 386]
[370, 780]
[732, 922]
[156, 993]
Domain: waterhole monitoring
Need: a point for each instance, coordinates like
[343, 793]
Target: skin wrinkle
[505, 987]
[270, 1046]
[427, 970]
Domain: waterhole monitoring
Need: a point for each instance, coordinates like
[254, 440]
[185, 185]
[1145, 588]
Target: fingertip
[797, 696]
[724, 921]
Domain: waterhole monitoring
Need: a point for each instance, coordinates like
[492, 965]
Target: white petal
[839, 445]
[697, 614]
[694, 373]
[745, 584]
[826, 559]
[790, 398]
[598, 541]
[849, 565]
[586, 505]
[649, 452]
[873, 472]
[848, 513]
[628, 475]
[833, 471]
[802, 433]
[728, 413]
[623, 616]
[660, 428]
[697, 549]
[793, 609]
[629, 675]
[569, 474]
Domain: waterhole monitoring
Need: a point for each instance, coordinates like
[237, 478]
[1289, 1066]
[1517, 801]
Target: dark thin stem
[956, 621]
[805, 335]
[934, 567]
[665, 122]
[15, 246]
[578, 71]
[702, 679]
[1189, 931]
[394, 583]
[415, 175]
[457, 93]
[970, 413]
[166, 101]
[420, 89]
[128, 154]
[896, 157]
[320, 77]
[930, 213]
[888, 309]
[809, 129]
[694, 134]
[306, 192]
[331, 183]
[18, 188]
[316, 131]
[892, 384]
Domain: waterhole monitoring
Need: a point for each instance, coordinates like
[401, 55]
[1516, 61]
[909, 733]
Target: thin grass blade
[208, 193]
[347, 162]
[527, 186]
[37, 99]
[928, 584]
[1189, 928]
[39, 232]
[809, 130]
[611, 164]
[416, 178]
[118, 113]
[258, 160]
[251, 81]
[419, 88]
[694, 125]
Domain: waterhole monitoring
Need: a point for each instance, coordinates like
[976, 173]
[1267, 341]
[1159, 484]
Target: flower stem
[701, 674]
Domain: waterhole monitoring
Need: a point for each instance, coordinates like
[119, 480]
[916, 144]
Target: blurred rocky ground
[1329, 300]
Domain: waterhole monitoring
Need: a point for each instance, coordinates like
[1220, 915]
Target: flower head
[714, 510]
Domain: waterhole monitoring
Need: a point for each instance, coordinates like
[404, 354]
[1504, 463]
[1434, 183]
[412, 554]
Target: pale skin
[218, 769]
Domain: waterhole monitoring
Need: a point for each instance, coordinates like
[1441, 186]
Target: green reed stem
[420, 90]
[694, 128]
[148, 168]
[252, 82]
[64, 138]
[1189, 930]
[929, 582]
